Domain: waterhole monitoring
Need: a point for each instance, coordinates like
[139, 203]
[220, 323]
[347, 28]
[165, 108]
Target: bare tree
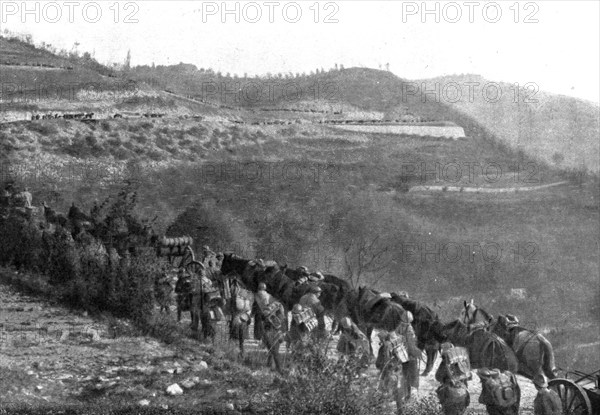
[366, 256]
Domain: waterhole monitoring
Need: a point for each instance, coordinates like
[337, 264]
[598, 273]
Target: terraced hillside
[557, 130]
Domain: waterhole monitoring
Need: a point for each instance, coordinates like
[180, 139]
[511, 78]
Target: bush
[42, 128]
[321, 385]
[84, 273]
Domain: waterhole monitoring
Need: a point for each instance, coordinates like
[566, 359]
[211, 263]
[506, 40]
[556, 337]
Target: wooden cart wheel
[195, 267]
[573, 397]
[187, 257]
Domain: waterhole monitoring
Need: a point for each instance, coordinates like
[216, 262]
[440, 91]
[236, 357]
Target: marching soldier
[311, 300]
[303, 323]
[262, 297]
[453, 374]
[410, 369]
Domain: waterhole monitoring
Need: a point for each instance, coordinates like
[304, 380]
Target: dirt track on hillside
[51, 355]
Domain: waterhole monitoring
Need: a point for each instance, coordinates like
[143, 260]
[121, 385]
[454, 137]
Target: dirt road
[52, 355]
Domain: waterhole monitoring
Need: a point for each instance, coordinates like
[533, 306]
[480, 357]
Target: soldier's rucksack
[243, 300]
[501, 387]
[271, 312]
[457, 362]
[306, 317]
[398, 348]
[211, 292]
[453, 395]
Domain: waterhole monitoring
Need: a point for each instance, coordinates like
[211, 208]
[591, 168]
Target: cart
[579, 392]
[179, 253]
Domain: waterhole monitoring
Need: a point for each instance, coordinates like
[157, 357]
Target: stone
[95, 335]
[205, 383]
[200, 366]
[146, 370]
[190, 382]
[174, 389]
[230, 406]
[144, 402]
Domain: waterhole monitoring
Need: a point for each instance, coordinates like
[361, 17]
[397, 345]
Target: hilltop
[555, 130]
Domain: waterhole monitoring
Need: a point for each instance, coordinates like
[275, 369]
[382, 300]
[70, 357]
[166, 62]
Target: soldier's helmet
[315, 289]
[297, 309]
[346, 323]
[303, 270]
[262, 287]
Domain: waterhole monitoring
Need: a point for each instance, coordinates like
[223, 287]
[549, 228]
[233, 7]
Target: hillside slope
[561, 130]
[557, 130]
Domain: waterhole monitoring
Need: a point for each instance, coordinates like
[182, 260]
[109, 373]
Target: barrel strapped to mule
[306, 317]
[457, 362]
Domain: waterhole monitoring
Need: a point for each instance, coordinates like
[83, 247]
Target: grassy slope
[300, 218]
[560, 130]
[305, 219]
[557, 130]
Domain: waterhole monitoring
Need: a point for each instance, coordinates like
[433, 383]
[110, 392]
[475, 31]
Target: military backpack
[457, 362]
[501, 387]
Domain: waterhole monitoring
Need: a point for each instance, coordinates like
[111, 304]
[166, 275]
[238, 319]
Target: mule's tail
[549, 365]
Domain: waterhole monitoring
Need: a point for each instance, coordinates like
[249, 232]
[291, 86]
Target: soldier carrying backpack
[453, 374]
[303, 324]
[500, 392]
[398, 361]
[271, 309]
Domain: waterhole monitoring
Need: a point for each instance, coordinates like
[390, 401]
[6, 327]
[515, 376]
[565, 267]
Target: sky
[554, 44]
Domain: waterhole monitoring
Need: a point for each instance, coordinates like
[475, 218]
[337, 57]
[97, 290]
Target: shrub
[135, 128]
[120, 153]
[82, 272]
[140, 138]
[91, 140]
[42, 128]
[163, 142]
[321, 385]
[197, 131]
